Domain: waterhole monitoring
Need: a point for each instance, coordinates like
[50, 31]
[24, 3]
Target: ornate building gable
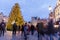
[57, 11]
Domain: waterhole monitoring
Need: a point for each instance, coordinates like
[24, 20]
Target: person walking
[25, 31]
[22, 29]
[59, 29]
[50, 29]
[32, 29]
[14, 28]
[40, 30]
[3, 25]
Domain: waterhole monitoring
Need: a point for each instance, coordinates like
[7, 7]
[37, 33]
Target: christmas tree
[15, 16]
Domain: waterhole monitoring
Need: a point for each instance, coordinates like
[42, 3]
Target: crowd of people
[27, 29]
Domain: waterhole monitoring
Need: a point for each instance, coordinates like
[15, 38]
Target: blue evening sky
[29, 8]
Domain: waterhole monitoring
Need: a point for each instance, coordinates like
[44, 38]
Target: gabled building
[2, 17]
[57, 11]
[34, 20]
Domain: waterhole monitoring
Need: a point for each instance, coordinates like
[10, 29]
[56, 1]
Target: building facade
[34, 20]
[57, 11]
[2, 17]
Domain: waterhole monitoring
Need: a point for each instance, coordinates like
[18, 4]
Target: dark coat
[50, 27]
[40, 28]
[32, 27]
[3, 25]
[22, 28]
[14, 27]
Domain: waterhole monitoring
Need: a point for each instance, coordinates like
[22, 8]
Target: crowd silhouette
[27, 29]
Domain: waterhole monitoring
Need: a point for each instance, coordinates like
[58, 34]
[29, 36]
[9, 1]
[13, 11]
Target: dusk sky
[29, 8]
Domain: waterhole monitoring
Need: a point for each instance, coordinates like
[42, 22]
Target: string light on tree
[15, 16]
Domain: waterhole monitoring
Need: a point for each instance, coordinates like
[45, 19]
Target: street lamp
[50, 8]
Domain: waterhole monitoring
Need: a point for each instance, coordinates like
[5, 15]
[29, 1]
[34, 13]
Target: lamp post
[50, 17]
[50, 8]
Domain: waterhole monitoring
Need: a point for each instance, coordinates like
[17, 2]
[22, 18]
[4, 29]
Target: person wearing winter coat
[3, 25]
[40, 30]
[50, 29]
[25, 31]
[32, 29]
[14, 28]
